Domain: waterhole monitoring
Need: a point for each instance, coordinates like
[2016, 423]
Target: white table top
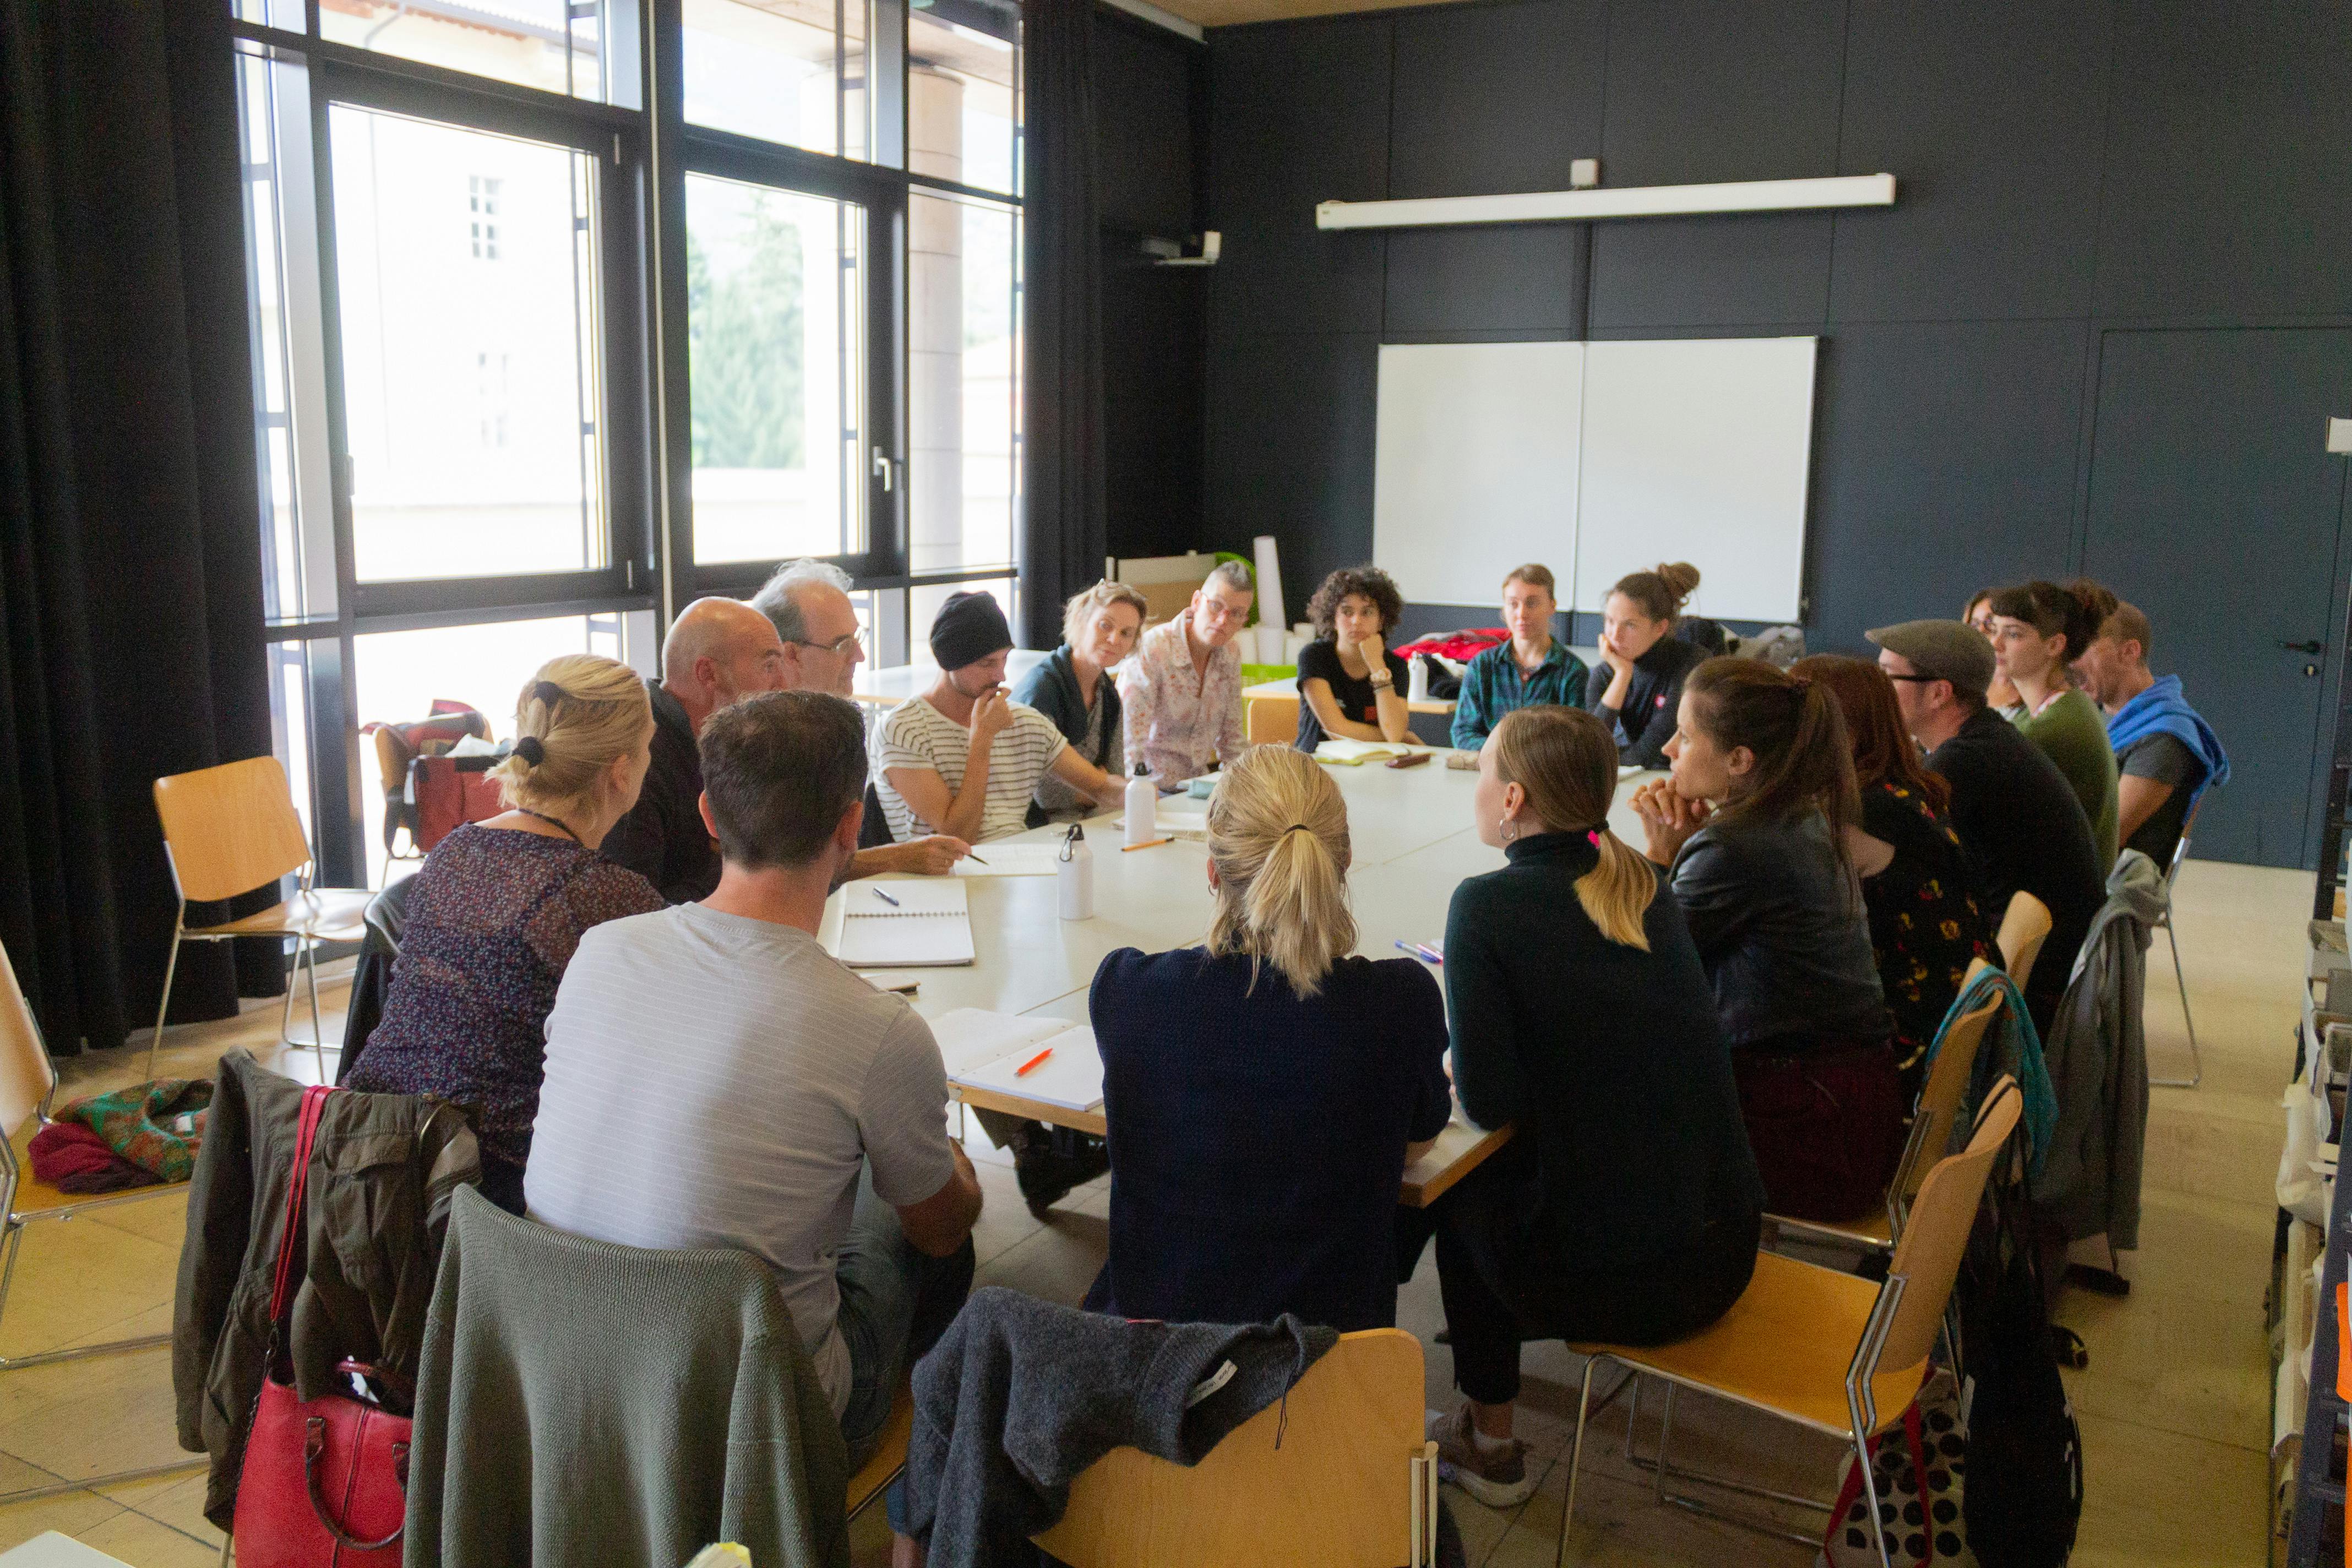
[52, 1550]
[1412, 839]
[889, 685]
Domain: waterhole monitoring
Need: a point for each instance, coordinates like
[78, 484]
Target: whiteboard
[1597, 459]
[1476, 469]
[1698, 450]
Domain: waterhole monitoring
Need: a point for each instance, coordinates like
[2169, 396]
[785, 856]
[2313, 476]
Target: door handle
[2315, 645]
[883, 468]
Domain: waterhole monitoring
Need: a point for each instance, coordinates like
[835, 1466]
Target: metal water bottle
[1073, 875]
[1142, 802]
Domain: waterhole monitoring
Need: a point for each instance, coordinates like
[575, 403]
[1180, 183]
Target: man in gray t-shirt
[714, 1079]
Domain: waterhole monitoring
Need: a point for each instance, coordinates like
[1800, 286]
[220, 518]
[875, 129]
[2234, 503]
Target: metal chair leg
[309, 946]
[170, 969]
[2196, 1061]
[1870, 1499]
[1576, 1456]
[1666, 1435]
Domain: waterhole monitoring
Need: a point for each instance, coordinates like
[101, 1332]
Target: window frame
[644, 157]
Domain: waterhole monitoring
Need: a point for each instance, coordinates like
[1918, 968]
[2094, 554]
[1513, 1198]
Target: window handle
[882, 466]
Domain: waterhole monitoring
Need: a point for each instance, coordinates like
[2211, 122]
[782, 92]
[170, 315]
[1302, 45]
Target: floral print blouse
[1924, 925]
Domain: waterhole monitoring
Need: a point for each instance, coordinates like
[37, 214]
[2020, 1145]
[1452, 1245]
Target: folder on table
[930, 925]
[986, 1050]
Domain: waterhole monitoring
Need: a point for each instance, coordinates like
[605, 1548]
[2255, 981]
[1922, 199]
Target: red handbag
[325, 1483]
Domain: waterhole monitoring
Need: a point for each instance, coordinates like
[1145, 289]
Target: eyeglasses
[838, 646]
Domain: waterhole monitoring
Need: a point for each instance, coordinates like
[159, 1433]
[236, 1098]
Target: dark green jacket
[583, 1403]
[382, 1168]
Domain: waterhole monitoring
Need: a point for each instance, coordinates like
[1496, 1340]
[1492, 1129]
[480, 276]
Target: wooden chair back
[1272, 722]
[1940, 1097]
[25, 1074]
[2022, 930]
[230, 829]
[1338, 1493]
[1935, 1233]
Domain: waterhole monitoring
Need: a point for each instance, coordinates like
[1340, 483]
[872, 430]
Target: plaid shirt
[1493, 685]
[1181, 723]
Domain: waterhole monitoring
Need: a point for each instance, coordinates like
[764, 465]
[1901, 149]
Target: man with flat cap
[963, 758]
[2019, 821]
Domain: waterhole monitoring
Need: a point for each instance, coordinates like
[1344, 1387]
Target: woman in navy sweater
[1627, 1208]
[1265, 1090]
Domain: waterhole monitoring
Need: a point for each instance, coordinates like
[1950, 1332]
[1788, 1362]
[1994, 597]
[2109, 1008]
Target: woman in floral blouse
[1924, 925]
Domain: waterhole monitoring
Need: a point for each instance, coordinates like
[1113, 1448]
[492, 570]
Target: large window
[534, 368]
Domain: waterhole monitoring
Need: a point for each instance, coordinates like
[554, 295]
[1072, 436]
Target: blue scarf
[2161, 710]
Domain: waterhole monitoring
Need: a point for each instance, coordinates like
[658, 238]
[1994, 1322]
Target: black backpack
[2024, 1467]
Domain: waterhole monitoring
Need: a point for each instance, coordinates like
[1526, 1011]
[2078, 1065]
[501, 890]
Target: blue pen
[1419, 952]
[885, 898]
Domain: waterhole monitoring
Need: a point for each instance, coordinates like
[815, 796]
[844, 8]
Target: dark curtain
[130, 608]
[1063, 534]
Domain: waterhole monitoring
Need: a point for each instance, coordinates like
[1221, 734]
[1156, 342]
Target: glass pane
[285, 13]
[963, 78]
[776, 345]
[473, 384]
[285, 338]
[556, 46]
[290, 725]
[963, 382]
[783, 70]
[401, 675]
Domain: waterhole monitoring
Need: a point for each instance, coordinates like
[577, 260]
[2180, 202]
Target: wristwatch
[1382, 682]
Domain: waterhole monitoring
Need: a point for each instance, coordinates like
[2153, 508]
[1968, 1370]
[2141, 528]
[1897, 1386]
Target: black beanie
[968, 628]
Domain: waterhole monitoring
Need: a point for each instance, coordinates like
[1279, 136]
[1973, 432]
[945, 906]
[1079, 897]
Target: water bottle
[1142, 802]
[1073, 875]
[1417, 686]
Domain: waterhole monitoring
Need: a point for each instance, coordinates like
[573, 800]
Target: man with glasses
[719, 650]
[1182, 692]
[2018, 821]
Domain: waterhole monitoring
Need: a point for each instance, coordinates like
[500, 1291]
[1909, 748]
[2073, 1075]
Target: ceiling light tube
[1626, 201]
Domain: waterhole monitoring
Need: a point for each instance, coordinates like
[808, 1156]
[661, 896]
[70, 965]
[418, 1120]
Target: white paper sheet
[1012, 861]
[910, 923]
[1072, 1077]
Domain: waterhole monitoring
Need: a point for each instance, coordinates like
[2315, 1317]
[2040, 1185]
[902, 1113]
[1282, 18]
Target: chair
[888, 1461]
[2024, 929]
[2172, 875]
[1827, 1350]
[27, 1082]
[874, 828]
[227, 831]
[1353, 1484]
[386, 918]
[1931, 1132]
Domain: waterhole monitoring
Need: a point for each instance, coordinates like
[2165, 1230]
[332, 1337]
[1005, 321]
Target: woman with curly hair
[1349, 684]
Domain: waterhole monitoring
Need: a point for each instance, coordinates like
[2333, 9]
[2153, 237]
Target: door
[2216, 508]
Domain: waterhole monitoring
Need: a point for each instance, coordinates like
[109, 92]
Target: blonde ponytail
[1567, 764]
[1279, 838]
[579, 715]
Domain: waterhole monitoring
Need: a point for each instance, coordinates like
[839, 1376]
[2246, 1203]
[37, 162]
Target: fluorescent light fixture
[1627, 201]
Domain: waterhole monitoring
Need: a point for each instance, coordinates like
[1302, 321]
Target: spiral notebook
[929, 923]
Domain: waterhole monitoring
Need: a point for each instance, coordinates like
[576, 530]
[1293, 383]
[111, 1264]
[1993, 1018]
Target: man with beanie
[963, 758]
[2019, 821]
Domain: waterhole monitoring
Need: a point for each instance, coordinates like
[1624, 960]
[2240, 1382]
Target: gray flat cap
[1943, 651]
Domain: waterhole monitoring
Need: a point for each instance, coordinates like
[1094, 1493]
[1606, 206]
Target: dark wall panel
[1717, 90]
[1147, 80]
[1944, 461]
[1299, 115]
[1523, 282]
[1154, 405]
[1494, 98]
[1990, 116]
[2228, 158]
[1290, 452]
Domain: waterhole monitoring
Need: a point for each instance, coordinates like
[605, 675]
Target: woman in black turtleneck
[1639, 687]
[1627, 1208]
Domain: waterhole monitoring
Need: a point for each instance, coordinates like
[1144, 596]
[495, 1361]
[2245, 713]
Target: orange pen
[1022, 1070]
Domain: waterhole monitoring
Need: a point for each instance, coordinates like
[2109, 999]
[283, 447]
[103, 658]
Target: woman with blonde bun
[499, 907]
[1265, 1089]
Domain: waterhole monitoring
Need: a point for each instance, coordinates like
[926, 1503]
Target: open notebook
[930, 923]
[986, 1050]
[1343, 752]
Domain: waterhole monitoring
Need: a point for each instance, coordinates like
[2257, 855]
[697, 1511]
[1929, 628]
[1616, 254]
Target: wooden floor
[2174, 1405]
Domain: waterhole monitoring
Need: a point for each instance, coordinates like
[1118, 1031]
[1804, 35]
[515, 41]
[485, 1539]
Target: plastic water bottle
[1073, 875]
[1142, 802]
[1417, 686]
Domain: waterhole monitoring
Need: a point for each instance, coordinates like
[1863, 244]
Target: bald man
[719, 650]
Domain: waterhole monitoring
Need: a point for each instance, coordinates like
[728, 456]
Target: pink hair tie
[1593, 838]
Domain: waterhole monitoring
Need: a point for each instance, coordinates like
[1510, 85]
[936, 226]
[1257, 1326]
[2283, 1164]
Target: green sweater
[581, 1403]
[2072, 733]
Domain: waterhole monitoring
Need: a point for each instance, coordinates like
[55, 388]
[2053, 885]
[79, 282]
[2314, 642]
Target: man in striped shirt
[963, 758]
